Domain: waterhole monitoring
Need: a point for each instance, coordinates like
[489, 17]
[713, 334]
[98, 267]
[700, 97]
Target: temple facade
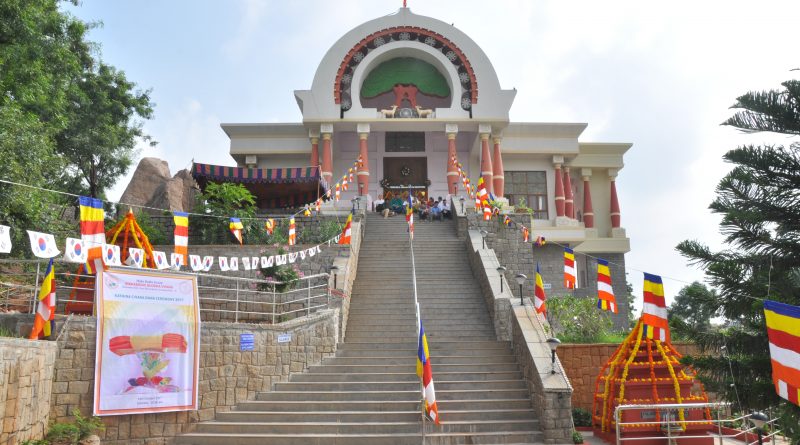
[407, 92]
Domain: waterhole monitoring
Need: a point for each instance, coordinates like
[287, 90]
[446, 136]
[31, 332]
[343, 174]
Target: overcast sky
[658, 74]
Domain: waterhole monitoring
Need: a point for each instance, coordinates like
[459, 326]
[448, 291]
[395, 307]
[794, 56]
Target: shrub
[285, 274]
[577, 437]
[581, 417]
[577, 320]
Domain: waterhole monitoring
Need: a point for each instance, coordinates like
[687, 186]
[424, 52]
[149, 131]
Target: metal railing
[672, 426]
[222, 297]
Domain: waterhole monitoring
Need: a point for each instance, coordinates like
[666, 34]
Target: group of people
[425, 209]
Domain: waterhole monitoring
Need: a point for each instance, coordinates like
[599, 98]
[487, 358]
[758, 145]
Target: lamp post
[354, 201]
[553, 343]
[335, 272]
[462, 204]
[501, 270]
[759, 419]
[483, 235]
[520, 280]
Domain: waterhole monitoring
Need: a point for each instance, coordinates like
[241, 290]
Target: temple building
[407, 92]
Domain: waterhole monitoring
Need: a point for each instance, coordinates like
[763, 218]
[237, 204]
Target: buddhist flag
[525, 234]
[43, 245]
[654, 313]
[783, 329]
[43, 324]
[569, 268]
[507, 221]
[318, 204]
[236, 229]
[306, 211]
[538, 293]
[605, 293]
[410, 217]
[181, 234]
[338, 191]
[345, 238]
[270, 225]
[292, 235]
[426, 374]
[93, 231]
[5, 239]
[540, 241]
[350, 172]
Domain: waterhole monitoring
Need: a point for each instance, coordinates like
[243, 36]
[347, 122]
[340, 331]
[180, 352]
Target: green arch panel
[405, 70]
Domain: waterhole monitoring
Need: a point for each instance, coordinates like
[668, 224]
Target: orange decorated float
[646, 370]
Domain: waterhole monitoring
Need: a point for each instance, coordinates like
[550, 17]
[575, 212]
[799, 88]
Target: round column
[363, 171]
[499, 178]
[616, 216]
[314, 161]
[486, 164]
[559, 192]
[452, 170]
[327, 159]
[569, 207]
[588, 212]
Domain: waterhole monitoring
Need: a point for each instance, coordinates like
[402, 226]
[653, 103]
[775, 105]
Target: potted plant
[577, 437]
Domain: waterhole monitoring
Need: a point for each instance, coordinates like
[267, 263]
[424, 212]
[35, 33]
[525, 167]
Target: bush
[577, 437]
[577, 319]
[285, 274]
[71, 433]
[581, 417]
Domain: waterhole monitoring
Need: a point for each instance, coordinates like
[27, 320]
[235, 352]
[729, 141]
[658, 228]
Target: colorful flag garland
[605, 292]
[783, 330]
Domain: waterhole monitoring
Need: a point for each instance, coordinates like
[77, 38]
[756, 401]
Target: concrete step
[407, 376]
[502, 437]
[440, 346]
[362, 416]
[411, 368]
[399, 386]
[383, 405]
[359, 427]
[485, 354]
[390, 396]
[400, 360]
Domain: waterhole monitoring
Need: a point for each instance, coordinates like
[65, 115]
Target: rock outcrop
[152, 186]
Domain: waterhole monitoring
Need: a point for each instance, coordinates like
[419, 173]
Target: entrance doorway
[406, 171]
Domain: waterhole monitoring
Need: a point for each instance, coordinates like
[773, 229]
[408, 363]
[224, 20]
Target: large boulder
[152, 186]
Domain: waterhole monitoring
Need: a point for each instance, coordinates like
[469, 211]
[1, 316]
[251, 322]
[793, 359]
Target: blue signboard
[247, 342]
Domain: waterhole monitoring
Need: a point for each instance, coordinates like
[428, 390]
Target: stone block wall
[582, 364]
[26, 376]
[227, 375]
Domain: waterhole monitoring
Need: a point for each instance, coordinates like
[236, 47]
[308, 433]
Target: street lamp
[483, 235]
[462, 204]
[759, 419]
[501, 270]
[553, 343]
[335, 272]
[355, 202]
[520, 280]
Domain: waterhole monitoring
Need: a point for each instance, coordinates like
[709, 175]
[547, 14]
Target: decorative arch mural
[344, 76]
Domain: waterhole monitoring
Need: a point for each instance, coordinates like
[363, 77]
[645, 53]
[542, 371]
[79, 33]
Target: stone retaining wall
[26, 376]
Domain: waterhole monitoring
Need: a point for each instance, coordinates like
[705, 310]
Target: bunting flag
[236, 229]
[410, 218]
[344, 183]
[292, 236]
[44, 322]
[306, 211]
[74, 252]
[93, 232]
[482, 195]
[160, 259]
[223, 264]
[605, 293]
[654, 313]
[540, 241]
[525, 234]
[338, 191]
[345, 238]
[783, 329]
[111, 255]
[350, 173]
[538, 292]
[208, 262]
[426, 374]
[135, 257]
[318, 205]
[487, 213]
[269, 224]
[43, 245]
[233, 263]
[507, 221]
[569, 268]
[246, 263]
[181, 234]
[196, 263]
[176, 261]
[5, 239]
[477, 204]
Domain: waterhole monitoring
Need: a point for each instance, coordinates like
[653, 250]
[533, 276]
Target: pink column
[559, 192]
[569, 207]
[588, 212]
[615, 213]
[486, 163]
[452, 171]
[363, 171]
[497, 163]
[327, 159]
[314, 152]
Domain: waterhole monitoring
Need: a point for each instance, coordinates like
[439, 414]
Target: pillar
[615, 213]
[559, 191]
[452, 170]
[569, 207]
[498, 176]
[363, 171]
[588, 211]
[327, 159]
[314, 162]
[486, 163]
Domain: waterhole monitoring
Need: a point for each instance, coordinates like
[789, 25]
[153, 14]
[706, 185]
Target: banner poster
[148, 340]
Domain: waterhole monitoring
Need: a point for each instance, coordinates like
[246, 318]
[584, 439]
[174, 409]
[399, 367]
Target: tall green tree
[692, 310]
[759, 202]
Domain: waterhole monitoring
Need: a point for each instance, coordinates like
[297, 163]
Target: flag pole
[416, 309]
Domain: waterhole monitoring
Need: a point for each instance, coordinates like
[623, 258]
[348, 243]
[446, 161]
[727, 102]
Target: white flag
[319, 249]
[280, 260]
[135, 257]
[223, 264]
[302, 254]
[196, 263]
[161, 260]
[5, 239]
[43, 245]
[312, 251]
[176, 261]
[267, 261]
[254, 262]
[208, 262]
[111, 255]
[74, 252]
[246, 263]
[292, 257]
[234, 263]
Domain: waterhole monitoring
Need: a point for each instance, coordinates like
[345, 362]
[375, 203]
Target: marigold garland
[681, 414]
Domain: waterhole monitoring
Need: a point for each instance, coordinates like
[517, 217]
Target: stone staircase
[369, 392]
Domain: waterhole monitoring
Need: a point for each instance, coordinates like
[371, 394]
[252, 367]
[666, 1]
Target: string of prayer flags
[236, 229]
[410, 217]
[5, 239]
[234, 263]
[570, 276]
[269, 224]
[292, 236]
[425, 373]
[74, 252]
[605, 293]
[306, 211]
[345, 238]
[181, 234]
[783, 330]
[338, 192]
[507, 221]
[43, 245]
[539, 297]
[654, 313]
[44, 321]
[176, 261]
[93, 231]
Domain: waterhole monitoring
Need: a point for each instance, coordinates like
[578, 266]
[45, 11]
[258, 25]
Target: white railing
[672, 427]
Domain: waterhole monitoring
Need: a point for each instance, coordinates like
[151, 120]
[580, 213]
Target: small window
[530, 186]
[405, 141]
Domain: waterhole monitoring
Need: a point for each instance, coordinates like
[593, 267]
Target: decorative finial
[404, 4]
